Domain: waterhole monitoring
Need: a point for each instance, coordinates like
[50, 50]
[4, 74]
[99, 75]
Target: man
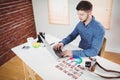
[91, 33]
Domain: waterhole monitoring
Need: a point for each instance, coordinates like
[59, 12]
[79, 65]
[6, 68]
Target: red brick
[16, 25]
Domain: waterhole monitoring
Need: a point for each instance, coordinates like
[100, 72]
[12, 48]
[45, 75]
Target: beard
[85, 19]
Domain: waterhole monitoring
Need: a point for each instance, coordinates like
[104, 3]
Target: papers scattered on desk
[71, 68]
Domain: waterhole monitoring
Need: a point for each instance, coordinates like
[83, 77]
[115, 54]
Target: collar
[91, 22]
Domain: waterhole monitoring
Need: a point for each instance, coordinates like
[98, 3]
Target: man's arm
[67, 40]
[95, 47]
[70, 37]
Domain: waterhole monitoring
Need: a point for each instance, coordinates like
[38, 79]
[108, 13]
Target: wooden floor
[114, 57]
[13, 69]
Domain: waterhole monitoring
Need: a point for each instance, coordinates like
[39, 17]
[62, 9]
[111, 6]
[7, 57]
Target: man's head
[84, 9]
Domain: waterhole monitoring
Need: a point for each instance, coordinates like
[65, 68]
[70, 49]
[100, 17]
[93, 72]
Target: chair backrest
[102, 50]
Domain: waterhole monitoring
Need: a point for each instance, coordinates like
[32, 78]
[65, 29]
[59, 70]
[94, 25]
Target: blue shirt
[92, 36]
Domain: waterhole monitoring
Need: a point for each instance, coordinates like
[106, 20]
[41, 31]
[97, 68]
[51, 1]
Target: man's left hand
[67, 53]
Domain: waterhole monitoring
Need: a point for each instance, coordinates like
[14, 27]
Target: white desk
[43, 63]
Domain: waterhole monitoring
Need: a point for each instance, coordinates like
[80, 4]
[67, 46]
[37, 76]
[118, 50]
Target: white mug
[30, 41]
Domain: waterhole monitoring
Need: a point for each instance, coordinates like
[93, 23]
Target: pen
[23, 47]
[52, 43]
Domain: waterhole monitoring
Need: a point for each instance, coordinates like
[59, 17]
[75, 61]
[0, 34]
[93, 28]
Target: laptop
[55, 53]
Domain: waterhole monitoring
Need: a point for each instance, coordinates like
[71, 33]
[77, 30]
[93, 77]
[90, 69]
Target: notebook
[55, 53]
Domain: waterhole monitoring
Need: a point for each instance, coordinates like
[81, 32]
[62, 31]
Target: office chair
[102, 50]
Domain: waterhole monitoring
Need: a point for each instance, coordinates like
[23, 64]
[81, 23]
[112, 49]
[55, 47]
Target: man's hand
[58, 46]
[67, 53]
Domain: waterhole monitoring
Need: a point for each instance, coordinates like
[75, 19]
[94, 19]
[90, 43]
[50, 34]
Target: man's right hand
[59, 46]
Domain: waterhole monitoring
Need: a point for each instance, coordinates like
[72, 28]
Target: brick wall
[16, 24]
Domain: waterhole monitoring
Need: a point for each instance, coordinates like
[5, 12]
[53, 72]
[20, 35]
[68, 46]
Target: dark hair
[84, 5]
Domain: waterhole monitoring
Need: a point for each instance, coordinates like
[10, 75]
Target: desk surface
[43, 63]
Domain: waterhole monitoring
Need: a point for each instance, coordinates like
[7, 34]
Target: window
[58, 12]
[102, 11]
